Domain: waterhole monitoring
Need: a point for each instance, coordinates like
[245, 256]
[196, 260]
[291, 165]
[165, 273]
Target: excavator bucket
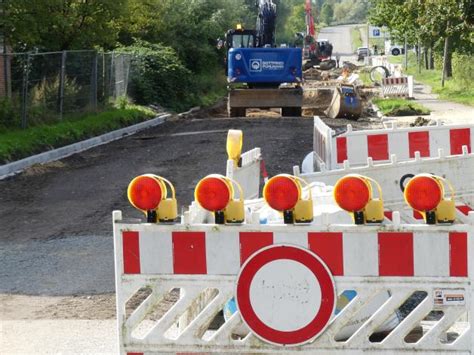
[345, 103]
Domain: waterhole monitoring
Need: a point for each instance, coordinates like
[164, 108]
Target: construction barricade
[247, 172]
[330, 151]
[397, 87]
[394, 175]
[305, 289]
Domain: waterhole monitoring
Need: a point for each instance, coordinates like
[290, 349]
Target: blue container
[265, 65]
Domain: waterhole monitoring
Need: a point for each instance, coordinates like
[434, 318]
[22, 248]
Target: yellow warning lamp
[353, 193]
[283, 193]
[215, 193]
[234, 146]
[239, 27]
[148, 193]
[425, 194]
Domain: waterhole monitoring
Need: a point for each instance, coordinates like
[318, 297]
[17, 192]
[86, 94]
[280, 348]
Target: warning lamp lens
[144, 192]
[351, 193]
[423, 193]
[213, 194]
[281, 193]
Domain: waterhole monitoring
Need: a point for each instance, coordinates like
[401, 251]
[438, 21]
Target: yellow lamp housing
[303, 211]
[234, 146]
[296, 209]
[234, 213]
[168, 208]
[148, 193]
[348, 193]
[215, 193]
[445, 211]
[239, 27]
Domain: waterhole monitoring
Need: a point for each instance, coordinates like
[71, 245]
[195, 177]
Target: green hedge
[159, 77]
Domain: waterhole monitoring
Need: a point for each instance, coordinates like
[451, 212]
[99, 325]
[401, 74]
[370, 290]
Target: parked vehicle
[362, 52]
[397, 50]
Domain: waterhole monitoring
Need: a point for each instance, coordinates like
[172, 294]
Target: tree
[62, 24]
[327, 13]
[296, 21]
[429, 21]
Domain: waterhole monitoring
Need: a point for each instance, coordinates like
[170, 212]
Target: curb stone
[63, 152]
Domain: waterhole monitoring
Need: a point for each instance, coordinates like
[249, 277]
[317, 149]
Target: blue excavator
[261, 75]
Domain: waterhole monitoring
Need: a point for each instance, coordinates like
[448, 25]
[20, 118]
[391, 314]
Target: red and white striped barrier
[397, 86]
[286, 279]
[379, 144]
[390, 253]
[390, 175]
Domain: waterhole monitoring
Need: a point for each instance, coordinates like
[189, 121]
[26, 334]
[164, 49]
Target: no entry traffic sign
[285, 295]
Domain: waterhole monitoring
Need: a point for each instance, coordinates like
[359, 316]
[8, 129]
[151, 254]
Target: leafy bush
[44, 99]
[9, 112]
[463, 70]
[159, 77]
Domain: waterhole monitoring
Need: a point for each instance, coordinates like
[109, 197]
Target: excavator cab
[240, 38]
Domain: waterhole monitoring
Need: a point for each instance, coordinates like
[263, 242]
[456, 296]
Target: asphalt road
[55, 220]
[340, 37]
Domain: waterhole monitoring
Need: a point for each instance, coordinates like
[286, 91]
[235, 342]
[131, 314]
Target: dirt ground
[74, 197]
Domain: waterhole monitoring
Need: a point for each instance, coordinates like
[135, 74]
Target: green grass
[455, 88]
[400, 107]
[17, 144]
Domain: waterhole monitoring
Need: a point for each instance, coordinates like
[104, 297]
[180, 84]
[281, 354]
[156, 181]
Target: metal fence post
[62, 77]
[94, 81]
[24, 89]
[112, 76]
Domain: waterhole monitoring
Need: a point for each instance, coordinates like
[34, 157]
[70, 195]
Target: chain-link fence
[45, 87]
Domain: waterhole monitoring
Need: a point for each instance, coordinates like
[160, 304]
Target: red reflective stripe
[388, 215]
[464, 209]
[341, 143]
[458, 254]
[378, 146]
[419, 142]
[189, 253]
[396, 254]
[329, 247]
[250, 242]
[417, 215]
[131, 252]
[458, 138]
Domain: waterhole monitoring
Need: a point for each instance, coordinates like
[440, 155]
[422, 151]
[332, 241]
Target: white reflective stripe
[472, 139]
[222, 253]
[431, 254]
[298, 239]
[398, 144]
[439, 138]
[357, 149]
[361, 254]
[156, 253]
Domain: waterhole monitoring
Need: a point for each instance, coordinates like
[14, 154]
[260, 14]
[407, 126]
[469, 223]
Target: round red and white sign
[285, 295]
